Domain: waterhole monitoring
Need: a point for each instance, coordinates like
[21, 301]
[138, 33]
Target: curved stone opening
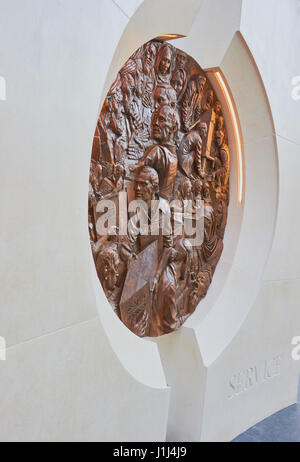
[140, 357]
[227, 58]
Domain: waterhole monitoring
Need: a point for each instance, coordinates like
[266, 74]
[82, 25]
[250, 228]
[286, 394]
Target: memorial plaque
[161, 137]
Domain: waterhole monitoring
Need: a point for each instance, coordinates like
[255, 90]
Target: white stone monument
[72, 370]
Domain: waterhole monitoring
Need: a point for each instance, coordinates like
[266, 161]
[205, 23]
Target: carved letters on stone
[160, 136]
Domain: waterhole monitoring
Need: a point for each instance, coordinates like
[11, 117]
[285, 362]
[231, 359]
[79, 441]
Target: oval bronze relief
[159, 189]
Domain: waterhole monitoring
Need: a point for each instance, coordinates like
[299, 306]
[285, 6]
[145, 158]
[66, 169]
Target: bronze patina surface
[160, 135]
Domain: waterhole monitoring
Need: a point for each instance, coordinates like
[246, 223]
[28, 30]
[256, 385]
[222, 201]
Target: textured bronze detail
[161, 135]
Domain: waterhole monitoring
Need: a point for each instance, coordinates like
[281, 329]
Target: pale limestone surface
[128, 6]
[240, 339]
[62, 378]
[73, 371]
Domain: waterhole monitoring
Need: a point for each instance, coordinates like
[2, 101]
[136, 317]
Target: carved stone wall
[161, 137]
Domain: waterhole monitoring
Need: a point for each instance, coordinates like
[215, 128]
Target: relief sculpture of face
[165, 61]
[163, 124]
[146, 185]
[201, 81]
[177, 81]
[203, 130]
[150, 53]
[181, 60]
[165, 95]
[161, 137]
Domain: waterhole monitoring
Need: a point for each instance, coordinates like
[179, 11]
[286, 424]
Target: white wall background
[61, 379]
[73, 372]
[245, 326]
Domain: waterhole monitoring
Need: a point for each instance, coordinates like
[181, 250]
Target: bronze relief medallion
[159, 189]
